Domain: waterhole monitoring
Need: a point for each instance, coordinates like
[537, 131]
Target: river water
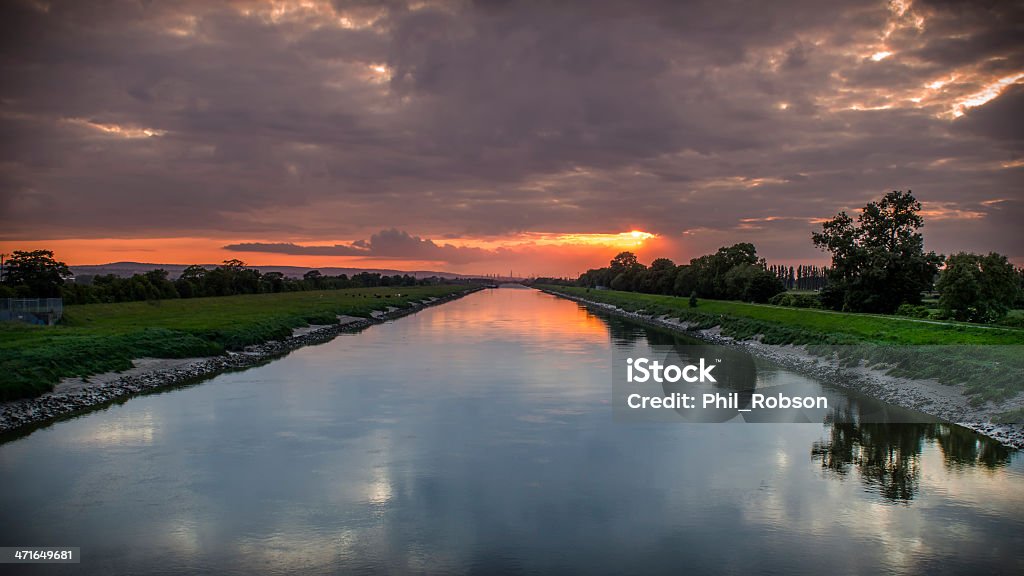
[478, 437]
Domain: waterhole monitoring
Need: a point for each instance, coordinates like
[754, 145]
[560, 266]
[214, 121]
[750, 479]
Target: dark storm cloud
[293, 119]
[1002, 119]
[390, 243]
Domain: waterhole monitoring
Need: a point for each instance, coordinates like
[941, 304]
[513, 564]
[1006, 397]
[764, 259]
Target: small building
[42, 311]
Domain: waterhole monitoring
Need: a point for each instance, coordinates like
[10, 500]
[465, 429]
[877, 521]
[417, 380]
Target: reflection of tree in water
[887, 456]
[622, 331]
[962, 448]
[626, 332]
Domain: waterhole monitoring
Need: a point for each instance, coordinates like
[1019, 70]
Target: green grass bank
[97, 338]
[987, 360]
[782, 325]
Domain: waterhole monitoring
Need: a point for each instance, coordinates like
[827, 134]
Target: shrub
[978, 288]
[912, 311]
[1012, 321]
[796, 300]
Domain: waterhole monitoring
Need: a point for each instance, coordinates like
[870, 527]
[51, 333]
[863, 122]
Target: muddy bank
[931, 397]
[75, 395]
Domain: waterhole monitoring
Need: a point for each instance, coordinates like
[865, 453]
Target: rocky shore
[944, 402]
[72, 398]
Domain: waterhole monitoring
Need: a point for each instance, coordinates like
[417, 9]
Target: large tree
[659, 277]
[878, 262]
[751, 283]
[624, 271]
[977, 288]
[707, 273]
[624, 261]
[35, 273]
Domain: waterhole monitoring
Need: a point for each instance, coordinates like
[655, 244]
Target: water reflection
[861, 439]
[478, 437]
[887, 457]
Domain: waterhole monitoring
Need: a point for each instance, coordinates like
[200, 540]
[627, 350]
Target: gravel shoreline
[67, 399]
[928, 396]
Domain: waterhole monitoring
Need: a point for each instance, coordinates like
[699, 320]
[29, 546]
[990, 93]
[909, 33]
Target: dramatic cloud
[300, 126]
[385, 244]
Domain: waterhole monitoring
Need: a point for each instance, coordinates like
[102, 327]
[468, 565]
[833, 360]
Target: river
[478, 437]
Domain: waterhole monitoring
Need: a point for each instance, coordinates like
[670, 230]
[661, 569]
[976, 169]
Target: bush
[912, 311]
[1012, 321]
[978, 288]
[796, 300]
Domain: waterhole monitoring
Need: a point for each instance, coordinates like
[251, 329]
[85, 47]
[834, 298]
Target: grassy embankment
[97, 338]
[987, 359]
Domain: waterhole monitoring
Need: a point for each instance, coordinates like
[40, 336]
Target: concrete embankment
[74, 396]
[944, 402]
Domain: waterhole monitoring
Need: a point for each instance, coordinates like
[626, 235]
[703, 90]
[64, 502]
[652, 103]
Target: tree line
[731, 273]
[878, 265]
[36, 274]
[802, 277]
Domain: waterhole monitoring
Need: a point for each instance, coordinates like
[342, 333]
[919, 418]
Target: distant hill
[126, 269]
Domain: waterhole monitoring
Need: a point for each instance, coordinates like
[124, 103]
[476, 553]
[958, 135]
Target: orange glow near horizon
[623, 240]
[557, 326]
[527, 253]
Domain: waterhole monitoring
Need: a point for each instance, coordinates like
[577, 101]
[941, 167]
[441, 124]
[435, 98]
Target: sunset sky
[483, 137]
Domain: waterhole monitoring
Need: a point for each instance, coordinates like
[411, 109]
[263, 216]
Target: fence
[45, 311]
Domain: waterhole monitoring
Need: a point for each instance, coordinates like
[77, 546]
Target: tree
[622, 281]
[623, 261]
[36, 273]
[751, 283]
[190, 283]
[732, 272]
[164, 287]
[711, 270]
[194, 274]
[625, 270]
[231, 277]
[977, 288]
[878, 262]
[273, 282]
[659, 277]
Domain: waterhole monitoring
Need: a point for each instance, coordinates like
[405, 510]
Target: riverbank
[927, 395]
[73, 395]
[97, 338]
